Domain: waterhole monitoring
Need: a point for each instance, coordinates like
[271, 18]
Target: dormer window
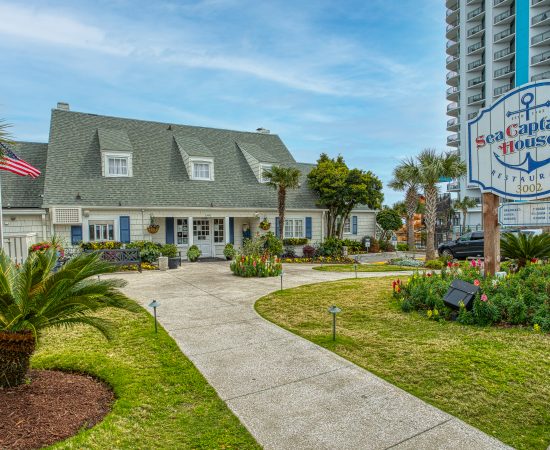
[117, 164]
[202, 169]
[263, 168]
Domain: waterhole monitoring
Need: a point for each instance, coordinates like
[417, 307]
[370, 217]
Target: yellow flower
[536, 328]
[436, 312]
[429, 313]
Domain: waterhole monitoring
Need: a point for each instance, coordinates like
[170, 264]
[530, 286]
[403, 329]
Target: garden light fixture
[154, 304]
[334, 310]
[282, 280]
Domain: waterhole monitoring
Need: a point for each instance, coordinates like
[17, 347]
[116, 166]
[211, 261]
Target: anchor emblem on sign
[526, 101]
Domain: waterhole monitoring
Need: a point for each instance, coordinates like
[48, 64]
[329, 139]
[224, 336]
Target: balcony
[476, 65]
[504, 17]
[472, 115]
[452, 13]
[502, 2]
[453, 47]
[451, 3]
[476, 14]
[504, 36]
[453, 140]
[453, 93]
[541, 39]
[504, 54]
[476, 99]
[453, 109]
[502, 89]
[453, 29]
[540, 2]
[504, 72]
[452, 78]
[541, 19]
[541, 76]
[476, 31]
[452, 63]
[476, 48]
[453, 186]
[476, 82]
[452, 124]
[473, 2]
[542, 59]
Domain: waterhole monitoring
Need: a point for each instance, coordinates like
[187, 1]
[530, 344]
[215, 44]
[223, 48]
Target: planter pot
[174, 263]
[16, 349]
[153, 228]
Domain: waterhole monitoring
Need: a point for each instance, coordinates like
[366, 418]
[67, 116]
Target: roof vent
[262, 130]
[63, 105]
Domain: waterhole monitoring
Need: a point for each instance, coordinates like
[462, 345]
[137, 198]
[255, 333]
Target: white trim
[261, 168]
[114, 154]
[24, 212]
[200, 160]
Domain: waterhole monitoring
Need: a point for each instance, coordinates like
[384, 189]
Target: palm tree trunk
[431, 216]
[464, 212]
[410, 232]
[411, 202]
[16, 349]
[281, 205]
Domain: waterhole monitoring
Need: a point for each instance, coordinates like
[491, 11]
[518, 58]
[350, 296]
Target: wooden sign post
[491, 233]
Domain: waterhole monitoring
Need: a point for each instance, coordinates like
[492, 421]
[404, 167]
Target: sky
[364, 79]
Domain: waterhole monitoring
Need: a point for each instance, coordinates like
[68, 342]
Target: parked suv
[470, 245]
[467, 245]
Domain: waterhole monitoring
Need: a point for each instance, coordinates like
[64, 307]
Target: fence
[17, 246]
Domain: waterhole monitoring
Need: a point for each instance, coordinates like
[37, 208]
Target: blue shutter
[277, 227]
[76, 234]
[124, 229]
[354, 224]
[232, 230]
[308, 228]
[169, 230]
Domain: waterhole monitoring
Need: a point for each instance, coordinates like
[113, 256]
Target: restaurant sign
[524, 214]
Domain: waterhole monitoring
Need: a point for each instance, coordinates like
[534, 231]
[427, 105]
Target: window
[263, 168]
[294, 228]
[102, 231]
[201, 230]
[465, 237]
[347, 226]
[477, 236]
[117, 164]
[218, 231]
[182, 232]
[202, 170]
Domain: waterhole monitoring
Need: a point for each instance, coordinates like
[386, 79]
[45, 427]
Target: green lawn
[162, 401]
[364, 268]
[496, 379]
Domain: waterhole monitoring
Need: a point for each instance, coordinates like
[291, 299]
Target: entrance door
[202, 236]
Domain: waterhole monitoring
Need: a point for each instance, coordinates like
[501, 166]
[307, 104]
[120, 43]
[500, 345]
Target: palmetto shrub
[522, 247]
[33, 298]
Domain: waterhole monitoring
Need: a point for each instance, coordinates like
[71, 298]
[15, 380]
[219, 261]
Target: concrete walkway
[289, 392]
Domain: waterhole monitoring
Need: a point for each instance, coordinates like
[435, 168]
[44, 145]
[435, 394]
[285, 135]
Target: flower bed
[320, 260]
[257, 266]
[521, 298]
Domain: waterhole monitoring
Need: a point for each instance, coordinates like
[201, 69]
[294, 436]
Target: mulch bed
[53, 406]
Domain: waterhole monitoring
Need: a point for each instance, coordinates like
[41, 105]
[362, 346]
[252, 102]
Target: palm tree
[282, 178]
[464, 205]
[523, 247]
[429, 169]
[33, 298]
[404, 179]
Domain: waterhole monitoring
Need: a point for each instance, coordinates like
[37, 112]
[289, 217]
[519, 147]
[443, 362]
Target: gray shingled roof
[160, 178]
[261, 154]
[112, 139]
[25, 192]
[192, 146]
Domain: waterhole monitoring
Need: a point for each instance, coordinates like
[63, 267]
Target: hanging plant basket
[153, 228]
[265, 224]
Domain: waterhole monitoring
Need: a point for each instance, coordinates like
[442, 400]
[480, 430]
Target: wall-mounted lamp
[78, 197]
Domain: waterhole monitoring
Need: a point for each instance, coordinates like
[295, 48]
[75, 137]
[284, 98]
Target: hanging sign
[509, 144]
[525, 214]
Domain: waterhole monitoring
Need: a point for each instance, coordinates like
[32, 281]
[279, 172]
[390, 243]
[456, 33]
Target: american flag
[12, 163]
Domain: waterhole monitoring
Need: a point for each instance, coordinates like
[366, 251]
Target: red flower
[476, 283]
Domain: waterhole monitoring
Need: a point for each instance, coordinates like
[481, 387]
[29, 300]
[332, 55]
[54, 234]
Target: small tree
[389, 220]
[340, 190]
[282, 179]
[523, 247]
[464, 205]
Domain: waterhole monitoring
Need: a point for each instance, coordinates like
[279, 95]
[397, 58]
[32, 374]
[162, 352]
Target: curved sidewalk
[289, 392]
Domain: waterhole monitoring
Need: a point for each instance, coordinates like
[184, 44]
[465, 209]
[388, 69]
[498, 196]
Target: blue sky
[365, 79]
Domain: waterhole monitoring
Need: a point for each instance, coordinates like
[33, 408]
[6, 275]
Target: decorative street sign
[509, 144]
[524, 214]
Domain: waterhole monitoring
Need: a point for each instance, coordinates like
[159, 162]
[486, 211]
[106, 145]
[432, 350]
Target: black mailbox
[460, 291]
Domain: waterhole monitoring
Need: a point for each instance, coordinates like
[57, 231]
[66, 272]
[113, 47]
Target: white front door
[202, 236]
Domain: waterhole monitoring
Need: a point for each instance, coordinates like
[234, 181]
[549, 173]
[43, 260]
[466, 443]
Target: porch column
[190, 230]
[226, 230]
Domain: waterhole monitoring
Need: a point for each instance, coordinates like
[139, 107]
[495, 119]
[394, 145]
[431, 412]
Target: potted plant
[193, 253]
[171, 251]
[265, 224]
[229, 252]
[153, 226]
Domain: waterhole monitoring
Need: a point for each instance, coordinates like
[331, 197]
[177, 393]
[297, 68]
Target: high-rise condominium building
[492, 47]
